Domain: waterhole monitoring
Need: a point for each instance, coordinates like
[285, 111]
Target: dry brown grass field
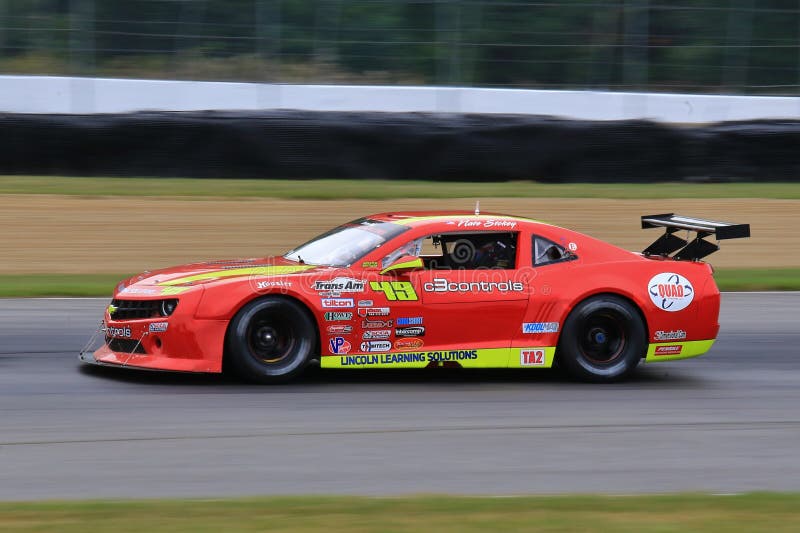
[68, 234]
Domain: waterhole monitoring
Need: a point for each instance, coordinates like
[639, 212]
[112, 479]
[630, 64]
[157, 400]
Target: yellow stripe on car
[535, 357]
[672, 351]
[277, 270]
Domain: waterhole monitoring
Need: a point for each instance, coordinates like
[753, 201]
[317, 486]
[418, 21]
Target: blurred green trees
[688, 45]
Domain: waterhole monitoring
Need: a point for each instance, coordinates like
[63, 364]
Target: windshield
[346, 244]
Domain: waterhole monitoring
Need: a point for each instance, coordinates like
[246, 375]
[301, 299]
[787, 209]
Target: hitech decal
[337, 303]
[674, 335]
[669, 350]
[340, 285]
[539, 327]
[532, 357]
[409, 321]
[339, 345]
[376, 346]
[333, 316]
[411, 331]
[670, 291]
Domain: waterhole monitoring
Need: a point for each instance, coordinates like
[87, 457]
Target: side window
[461, 251]
[546, 251]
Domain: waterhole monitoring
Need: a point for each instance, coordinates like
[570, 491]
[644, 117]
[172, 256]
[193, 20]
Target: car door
[469, 302]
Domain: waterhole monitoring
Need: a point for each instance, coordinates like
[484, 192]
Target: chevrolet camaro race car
[428, 289]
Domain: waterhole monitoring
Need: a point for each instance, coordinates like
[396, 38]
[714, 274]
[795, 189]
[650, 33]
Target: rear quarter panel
[601, 268]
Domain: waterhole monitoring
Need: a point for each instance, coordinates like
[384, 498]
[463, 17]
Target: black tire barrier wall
[369, 145]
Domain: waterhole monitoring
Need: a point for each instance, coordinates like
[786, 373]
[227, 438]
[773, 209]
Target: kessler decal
[339, 329]
[670, 292]
[272, 284]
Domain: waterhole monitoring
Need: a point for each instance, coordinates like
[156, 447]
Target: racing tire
[270, 340]
[603, 339]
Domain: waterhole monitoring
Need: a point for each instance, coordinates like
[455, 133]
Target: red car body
[366, 315]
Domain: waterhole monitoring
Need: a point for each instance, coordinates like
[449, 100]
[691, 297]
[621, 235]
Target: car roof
[447, 218]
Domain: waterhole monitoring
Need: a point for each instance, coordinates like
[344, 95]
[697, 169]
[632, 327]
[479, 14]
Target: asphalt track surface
[725, 422]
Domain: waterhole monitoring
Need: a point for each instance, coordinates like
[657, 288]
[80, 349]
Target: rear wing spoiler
[693, 249]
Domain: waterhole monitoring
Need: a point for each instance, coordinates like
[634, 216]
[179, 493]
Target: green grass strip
[33, 285]
[382, 189]
[665, 513]
[37, 285]
[758, 279]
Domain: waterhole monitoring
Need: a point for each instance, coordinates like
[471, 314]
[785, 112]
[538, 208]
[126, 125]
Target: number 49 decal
[395, 290]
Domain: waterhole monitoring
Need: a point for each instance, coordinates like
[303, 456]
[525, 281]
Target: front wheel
[270, 340]
[603, 339]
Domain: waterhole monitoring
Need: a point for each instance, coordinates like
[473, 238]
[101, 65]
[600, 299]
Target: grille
[125, 345]
[131, 309]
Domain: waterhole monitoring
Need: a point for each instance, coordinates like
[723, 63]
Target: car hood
[178, 279]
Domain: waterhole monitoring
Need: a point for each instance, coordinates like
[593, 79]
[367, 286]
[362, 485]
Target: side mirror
[404, 264]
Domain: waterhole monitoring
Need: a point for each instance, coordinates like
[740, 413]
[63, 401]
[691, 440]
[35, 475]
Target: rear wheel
[603, 339]
[270, 340]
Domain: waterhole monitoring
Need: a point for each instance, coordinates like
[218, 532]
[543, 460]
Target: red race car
[428, 289]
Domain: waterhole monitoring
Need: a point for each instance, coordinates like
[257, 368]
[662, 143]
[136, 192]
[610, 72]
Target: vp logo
[339, 345]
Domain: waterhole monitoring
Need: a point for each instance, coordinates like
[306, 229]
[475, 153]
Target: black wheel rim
[602, 338]
[270, 337]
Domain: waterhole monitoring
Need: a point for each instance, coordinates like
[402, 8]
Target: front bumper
[180, 343]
